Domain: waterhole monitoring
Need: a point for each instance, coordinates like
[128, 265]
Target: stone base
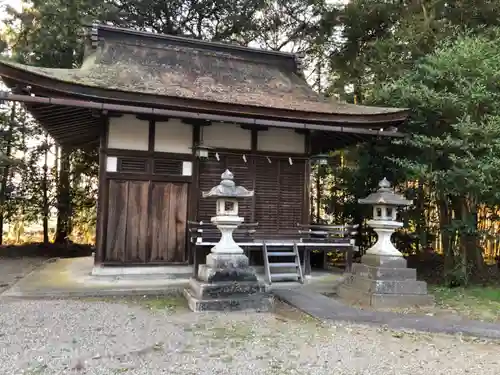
[383, 261]
[227, 283]
[384, 282]
[378, 301]
[225, 289]
[256, 303]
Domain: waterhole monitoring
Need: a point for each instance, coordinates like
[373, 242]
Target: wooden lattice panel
[132, 165]
[267, 196]
[210, 171]
[167, 167]
[210, 176]
[291, 194]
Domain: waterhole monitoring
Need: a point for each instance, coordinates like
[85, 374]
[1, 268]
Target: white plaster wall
[221, 135]
[281, 140]
[128, 133]
[173, 136]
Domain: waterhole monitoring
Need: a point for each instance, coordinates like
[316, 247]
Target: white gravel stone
[101, 338]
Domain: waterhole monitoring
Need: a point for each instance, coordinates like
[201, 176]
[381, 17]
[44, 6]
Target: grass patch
[474, 302]
[165, 303]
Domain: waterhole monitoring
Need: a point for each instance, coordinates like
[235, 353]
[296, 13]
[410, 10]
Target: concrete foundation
[143, 272]
[384, 281]
[227, 283]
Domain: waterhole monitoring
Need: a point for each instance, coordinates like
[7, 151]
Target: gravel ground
[103, 337]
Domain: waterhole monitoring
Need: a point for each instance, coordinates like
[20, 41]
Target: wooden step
[283, 265]
[286, 273]
[284, 276]
[281, 254]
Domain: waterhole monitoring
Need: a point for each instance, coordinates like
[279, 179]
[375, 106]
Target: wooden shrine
[169, 115]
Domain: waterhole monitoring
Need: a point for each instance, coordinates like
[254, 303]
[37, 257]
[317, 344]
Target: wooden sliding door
[146, 222]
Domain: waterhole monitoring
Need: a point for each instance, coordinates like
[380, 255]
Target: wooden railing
[325, 238]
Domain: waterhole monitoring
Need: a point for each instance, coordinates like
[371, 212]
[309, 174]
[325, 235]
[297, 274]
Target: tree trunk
[473, 262]
[63, 198]
[444, 222]
[45, 187]
[6, 170]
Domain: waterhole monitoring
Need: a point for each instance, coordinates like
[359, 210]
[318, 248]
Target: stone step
[225, 289]
[257, 303]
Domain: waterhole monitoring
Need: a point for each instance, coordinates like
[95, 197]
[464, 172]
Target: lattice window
[132, 165]
[167, 167]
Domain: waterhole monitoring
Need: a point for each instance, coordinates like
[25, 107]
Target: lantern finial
[384, 184]
[227, 175]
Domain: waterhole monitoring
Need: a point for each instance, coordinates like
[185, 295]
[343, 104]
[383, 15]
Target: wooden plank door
[127, 229]
[168, 222]
[146, 222]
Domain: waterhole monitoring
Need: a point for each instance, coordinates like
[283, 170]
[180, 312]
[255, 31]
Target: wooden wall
[278, 204]
[276, 166]
[146, 178]
[151, 183]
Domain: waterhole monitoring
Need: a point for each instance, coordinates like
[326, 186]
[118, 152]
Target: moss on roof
[186, 72]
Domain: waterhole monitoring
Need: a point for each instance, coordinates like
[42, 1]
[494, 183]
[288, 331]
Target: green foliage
[455, 133]
[52, 33]
[455, 122]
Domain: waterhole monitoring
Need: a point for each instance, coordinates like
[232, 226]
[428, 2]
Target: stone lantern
[382, 279]
[385, 203]
[226, 217]
[226, 281]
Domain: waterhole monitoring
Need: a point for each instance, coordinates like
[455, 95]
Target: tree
[455, 138]
[51, 34]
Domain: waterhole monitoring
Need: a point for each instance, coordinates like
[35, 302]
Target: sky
[16, 4]
[13, 3]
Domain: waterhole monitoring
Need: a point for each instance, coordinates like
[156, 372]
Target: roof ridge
[98, 26]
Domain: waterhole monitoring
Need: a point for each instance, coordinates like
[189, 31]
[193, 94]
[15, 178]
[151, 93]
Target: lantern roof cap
[227, 188]
[385, 195]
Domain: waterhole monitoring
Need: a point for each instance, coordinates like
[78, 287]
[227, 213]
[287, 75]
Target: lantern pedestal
[226, 281]
[382, 279]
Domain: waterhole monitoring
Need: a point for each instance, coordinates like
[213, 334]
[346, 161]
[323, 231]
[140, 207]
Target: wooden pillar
[306, 203]
[254, 140]
[194, 196]
[102, 197]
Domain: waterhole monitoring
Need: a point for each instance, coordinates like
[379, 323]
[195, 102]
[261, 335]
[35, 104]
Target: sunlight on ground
[477, 302]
